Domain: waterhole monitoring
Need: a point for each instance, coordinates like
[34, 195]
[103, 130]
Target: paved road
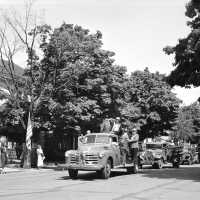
[148, 184]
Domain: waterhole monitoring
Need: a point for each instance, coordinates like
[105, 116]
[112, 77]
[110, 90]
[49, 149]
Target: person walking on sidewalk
[3, 154]
[40, 157]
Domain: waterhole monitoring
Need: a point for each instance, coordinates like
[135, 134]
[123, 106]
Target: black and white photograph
[99, 99]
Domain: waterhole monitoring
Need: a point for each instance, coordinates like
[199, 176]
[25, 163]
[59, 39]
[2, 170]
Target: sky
[136, 30]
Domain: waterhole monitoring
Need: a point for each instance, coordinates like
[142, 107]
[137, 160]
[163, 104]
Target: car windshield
[104, 139]
[153, 146]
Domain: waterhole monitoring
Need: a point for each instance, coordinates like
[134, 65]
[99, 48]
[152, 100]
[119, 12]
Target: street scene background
[71, 69]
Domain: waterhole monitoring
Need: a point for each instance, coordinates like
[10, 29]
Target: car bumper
[84, 167]
[149, 162]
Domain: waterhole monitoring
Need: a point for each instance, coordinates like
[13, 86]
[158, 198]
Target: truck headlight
[67, 154]
[101, 155]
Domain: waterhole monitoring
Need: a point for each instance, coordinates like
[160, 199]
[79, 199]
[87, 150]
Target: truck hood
[93, 148]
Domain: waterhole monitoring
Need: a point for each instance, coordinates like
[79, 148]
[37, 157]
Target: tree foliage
[83, 84]
[187, 51]
[76, 84]
[188, 122]
[151, 105]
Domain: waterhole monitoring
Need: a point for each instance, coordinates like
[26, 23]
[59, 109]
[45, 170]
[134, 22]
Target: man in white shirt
[134, 146]
[116, 126]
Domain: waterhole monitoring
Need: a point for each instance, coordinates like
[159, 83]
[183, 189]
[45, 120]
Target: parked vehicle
[189, 154]
[99, 152]
[174, 156]
[186, 158]
[153, 153]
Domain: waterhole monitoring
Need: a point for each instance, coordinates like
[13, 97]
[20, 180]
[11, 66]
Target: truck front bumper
[84, 167]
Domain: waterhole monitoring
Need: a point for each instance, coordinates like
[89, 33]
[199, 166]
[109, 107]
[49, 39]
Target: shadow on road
[182, 173]
[91, 176]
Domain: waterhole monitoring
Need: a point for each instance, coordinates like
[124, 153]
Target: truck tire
[106, 171]
[175, 165]
[132, 170]
[73, 173]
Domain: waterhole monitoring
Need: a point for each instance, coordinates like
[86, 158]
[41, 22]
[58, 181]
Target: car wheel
[189, 162]
[73, 173]
[158, 165]
[154, 166]
[135, 169]
[106, 171]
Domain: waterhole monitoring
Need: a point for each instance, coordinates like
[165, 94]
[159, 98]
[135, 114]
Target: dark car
[189, 155]
[174, 155]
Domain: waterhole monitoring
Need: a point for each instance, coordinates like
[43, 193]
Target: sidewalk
[47, 166]
[13, 169]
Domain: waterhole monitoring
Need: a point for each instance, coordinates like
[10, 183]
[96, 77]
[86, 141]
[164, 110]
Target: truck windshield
[104, 139]
[153, 146]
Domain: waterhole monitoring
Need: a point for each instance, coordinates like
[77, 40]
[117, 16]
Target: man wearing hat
[134, 146]
[116, 126]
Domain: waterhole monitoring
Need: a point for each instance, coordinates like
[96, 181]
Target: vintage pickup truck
[98, 152]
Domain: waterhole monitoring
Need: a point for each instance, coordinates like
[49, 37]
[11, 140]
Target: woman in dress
[40, 157]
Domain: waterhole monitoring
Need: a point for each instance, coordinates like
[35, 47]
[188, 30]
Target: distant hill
[18, 71]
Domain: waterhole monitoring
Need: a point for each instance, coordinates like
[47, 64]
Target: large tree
[151, 105]
[83, 84]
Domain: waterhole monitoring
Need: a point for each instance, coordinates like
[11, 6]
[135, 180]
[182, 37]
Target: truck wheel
[98, 172]
[106, 171]
[73, 173]
[132, 170]
[175, 165]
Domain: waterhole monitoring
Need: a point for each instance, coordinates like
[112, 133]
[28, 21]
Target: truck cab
[98, 152]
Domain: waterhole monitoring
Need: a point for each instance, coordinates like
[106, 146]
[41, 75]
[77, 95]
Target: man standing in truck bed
[133, 142]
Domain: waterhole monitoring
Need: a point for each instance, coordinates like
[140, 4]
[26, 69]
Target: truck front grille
[86, 159]
[91, 159]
